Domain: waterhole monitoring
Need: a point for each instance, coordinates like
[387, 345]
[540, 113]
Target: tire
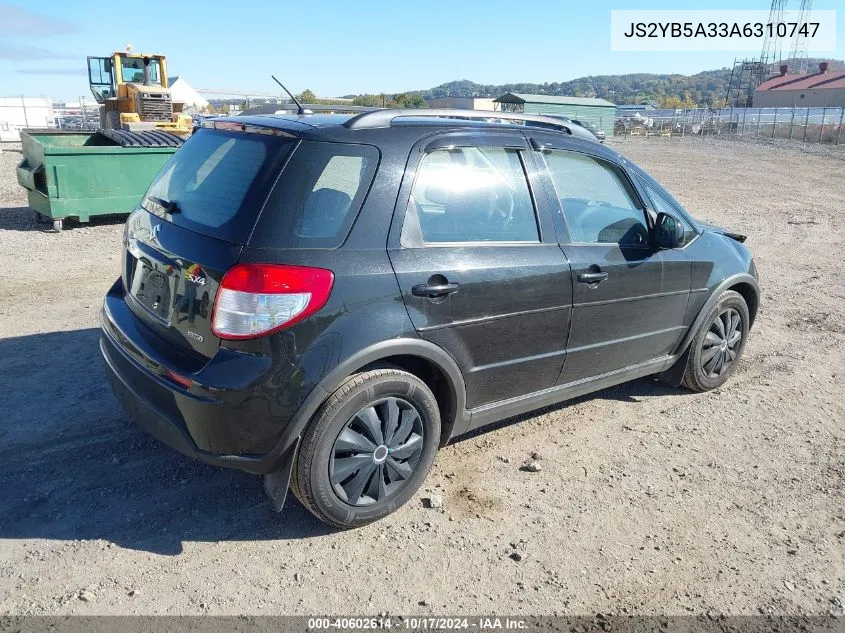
[715, 352]
[109, 120]
[408, 418]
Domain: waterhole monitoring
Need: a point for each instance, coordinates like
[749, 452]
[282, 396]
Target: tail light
[257, 299]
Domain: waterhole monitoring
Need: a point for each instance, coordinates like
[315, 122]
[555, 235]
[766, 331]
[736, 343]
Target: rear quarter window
[318, 196]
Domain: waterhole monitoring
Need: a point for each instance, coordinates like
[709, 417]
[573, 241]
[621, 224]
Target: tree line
[400, 100]
[704, 89]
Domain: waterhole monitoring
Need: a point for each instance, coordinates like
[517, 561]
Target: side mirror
[668, 231]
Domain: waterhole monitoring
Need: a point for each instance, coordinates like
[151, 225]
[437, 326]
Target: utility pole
[25, 119]
[799, 44]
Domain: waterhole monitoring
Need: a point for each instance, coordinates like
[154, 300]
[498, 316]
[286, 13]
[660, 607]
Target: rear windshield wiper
[167, 205]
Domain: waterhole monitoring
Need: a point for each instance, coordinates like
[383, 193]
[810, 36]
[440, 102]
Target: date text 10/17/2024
[421, 623]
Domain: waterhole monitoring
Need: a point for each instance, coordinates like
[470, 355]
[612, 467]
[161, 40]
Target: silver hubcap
[380, 454]
[376, 452]
[720, 346]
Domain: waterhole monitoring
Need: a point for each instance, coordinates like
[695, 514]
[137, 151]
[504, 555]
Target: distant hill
[703, 89]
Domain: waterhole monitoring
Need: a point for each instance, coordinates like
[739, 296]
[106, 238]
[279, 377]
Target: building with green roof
[594, 110]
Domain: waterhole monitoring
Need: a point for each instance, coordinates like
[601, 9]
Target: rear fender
[368, 356]
[277, 482]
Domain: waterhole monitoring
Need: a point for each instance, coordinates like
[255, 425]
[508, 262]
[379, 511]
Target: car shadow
[75, 467]
[23, 219]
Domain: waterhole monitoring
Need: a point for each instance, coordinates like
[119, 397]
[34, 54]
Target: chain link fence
[805, 125]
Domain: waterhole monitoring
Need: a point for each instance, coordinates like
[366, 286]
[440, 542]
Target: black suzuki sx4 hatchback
[327, 299]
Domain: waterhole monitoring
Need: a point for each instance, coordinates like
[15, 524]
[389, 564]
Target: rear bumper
[241, 421]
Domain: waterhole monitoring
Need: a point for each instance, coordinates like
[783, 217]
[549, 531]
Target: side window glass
[317, 197]
[335, 188]
[100, 77]
[598, 203]
[472, 194]
[662, 204]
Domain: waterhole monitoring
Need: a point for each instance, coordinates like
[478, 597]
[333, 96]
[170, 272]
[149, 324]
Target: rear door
[478, 264]
[191, 227]
[629, 299]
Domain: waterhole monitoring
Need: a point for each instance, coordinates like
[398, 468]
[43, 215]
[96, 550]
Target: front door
[628, 300]
[479, 266]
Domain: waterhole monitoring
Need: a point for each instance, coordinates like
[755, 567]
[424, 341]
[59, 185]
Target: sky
[335, 48]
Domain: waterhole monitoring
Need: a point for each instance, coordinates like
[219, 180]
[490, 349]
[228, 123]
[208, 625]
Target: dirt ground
[651, 500]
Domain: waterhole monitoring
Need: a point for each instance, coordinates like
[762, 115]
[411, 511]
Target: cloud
[50, 71]
[27, 53]
[16, 20]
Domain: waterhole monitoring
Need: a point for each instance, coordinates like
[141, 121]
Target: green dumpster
[70, 174]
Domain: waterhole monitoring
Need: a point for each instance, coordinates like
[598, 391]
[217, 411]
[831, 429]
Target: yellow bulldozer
[133, 93]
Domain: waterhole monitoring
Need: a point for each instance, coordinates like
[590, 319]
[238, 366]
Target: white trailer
[18, 113]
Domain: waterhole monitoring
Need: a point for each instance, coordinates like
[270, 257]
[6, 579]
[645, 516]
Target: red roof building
[824, 88]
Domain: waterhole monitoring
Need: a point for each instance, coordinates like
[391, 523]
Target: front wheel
[718, 344]
[368, 448]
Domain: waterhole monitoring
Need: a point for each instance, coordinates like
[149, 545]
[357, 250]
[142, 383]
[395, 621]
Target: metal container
[70, 174]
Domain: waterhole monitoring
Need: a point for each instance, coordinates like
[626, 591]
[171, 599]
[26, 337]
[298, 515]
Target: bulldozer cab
[133, 92]
[106, 75]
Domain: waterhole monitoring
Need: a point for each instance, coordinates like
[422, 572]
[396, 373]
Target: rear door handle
[434, 290]
[591, 278]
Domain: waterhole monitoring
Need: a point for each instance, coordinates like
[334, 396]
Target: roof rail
[385, 118]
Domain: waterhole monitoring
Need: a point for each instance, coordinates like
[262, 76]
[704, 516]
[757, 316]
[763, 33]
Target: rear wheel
[112, 120]
[718, 344]
[109, 119]
[368, 449]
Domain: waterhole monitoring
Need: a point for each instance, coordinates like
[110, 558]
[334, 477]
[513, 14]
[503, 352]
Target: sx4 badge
[195, 274]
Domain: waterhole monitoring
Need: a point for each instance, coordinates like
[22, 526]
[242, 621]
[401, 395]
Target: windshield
[217, 182]
[132, 70]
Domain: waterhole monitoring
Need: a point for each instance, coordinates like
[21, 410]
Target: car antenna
[300, 109]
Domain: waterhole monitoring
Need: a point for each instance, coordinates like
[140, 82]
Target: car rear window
[317, 197]
[218, 181]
